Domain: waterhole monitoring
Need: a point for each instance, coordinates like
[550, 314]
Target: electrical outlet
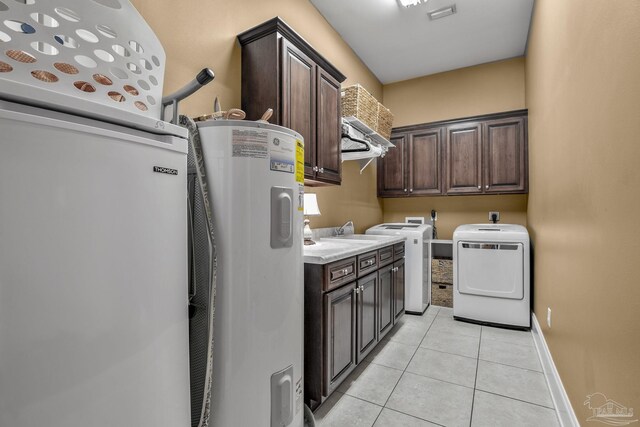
[491, 214]
[549, 317]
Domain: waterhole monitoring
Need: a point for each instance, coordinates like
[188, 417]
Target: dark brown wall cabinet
[350, 305]
[282, 71]
[478, 155]
[413, 167]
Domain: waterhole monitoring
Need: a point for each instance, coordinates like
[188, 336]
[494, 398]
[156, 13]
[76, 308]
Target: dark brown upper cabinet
[425, 154]
[280, 70]
[392, 173]
[463, 160]
[477, 155]
[413, 167]
[505, 155]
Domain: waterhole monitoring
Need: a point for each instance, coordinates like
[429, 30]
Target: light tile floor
[433, 370]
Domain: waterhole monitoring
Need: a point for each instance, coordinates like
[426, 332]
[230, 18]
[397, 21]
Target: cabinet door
[299, 99]
[463, 164]
[340, 336]
[328, 139]
[505, 165]
[366, 323]
[398, 289]
[392, 174]
[425, 176]
[385, 300]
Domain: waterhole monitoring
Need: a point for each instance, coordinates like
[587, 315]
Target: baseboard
[558, 394]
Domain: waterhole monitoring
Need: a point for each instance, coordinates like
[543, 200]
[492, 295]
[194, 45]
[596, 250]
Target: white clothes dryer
[491, 274]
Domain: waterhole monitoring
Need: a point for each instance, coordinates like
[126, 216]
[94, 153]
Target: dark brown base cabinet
[350, 305]
[280, 70]
[477, 155]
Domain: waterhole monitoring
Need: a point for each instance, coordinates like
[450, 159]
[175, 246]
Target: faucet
[340, 230]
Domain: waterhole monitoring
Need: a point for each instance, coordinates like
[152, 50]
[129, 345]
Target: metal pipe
[203, 78]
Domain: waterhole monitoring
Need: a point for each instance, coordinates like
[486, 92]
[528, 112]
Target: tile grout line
[516, 399]
[452, 354]
[441, 380]
[484, 360]
[475, 383]
[394, 387]
[511, 366]
[405, 370]
[413, 416]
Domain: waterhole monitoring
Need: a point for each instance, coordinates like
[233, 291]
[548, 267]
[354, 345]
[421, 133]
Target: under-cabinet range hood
[359, 142]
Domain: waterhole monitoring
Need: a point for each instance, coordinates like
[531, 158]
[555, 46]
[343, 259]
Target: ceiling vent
[442, 12]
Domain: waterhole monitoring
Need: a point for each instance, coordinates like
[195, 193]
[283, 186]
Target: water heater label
[252, 143]
[300, 161]
[282, 155]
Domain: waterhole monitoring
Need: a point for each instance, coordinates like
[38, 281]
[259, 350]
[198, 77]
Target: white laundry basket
[92, 57]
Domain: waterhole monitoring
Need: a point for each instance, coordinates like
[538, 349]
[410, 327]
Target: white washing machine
[491, 274]
[417, 271]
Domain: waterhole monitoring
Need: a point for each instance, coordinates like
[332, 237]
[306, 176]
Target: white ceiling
[400, 43]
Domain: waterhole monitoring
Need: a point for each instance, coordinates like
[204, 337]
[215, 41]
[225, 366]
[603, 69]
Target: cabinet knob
[357, 290]
[411, 190]
[405, 190]
[345, 271]
[361, 288]
[479, 187]
[321, 170]
[315, 169]
[486, 186]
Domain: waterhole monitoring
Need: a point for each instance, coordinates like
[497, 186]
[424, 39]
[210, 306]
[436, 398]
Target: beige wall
[488, 88]
[198, 34]
[583, 94]
[483, 89]
[356, 199]
[453, 211]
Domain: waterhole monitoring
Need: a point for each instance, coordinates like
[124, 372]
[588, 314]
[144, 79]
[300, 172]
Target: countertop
[331, 249]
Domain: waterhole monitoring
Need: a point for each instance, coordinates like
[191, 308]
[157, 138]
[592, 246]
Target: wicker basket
[442, 271]
[385, 121]
[357, 102]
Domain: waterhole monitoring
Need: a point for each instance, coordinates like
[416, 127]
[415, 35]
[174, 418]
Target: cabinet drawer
[385, 256]
[339, 273]
[367, 263]
[398, 251]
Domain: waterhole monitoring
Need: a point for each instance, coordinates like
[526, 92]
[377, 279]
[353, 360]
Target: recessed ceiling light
[410, 3]
[442, 12]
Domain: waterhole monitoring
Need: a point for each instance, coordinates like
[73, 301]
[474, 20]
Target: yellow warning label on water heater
[299, 161]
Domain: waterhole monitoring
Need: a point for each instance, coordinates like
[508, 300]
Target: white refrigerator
[93, 272]
[255, 180]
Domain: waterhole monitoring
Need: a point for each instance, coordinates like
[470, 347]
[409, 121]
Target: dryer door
[493, 269]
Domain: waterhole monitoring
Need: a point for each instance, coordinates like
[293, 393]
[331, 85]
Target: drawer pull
[370, 262]
[338, 274]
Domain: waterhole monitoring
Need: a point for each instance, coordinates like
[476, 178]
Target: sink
[328, 249]
[359, 237]
[329, 243]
